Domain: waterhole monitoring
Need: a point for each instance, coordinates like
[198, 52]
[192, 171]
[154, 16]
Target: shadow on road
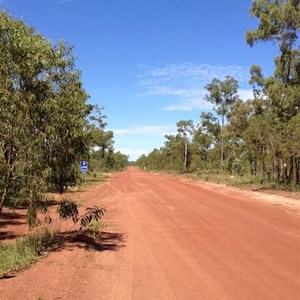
[9, 220]
[106, 241]
[7, 235]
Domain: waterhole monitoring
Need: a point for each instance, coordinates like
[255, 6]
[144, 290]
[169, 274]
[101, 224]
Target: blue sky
[148, 61]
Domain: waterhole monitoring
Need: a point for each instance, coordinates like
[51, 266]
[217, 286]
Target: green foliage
[39, 205]
[279, 23]
[43, 108]
[95, 227]
[18, 256]
[67, 209]
[46, 125]
[222, 94]
[92, 214]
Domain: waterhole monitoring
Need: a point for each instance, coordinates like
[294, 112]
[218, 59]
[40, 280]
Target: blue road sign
[83, 166]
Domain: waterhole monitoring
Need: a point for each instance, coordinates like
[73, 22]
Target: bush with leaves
[68, 209]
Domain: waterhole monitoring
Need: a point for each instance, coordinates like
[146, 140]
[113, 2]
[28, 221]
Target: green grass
[26, 250]
[234, 180]
[246, 181]
[79, 203]
[91, 179]
[95, 227]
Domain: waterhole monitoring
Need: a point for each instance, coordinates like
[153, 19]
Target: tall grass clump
[26, 250]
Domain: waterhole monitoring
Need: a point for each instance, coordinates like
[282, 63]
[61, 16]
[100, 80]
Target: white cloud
[177, 107]
[194, 72]
[145, 130]
[133, 154]
[189, 103]
[184, 84]
[246, 94]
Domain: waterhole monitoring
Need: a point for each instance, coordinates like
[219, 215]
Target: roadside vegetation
[247, 142]
[46, 124]
[26, 250]
[47, 127]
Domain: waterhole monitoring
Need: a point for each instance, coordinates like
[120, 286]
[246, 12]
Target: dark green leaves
[92, 214]
[42, 115]
[68, 210]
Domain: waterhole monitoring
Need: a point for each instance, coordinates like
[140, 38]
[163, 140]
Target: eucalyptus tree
[202, 142]
[223, 95]
[154, 160]
[99, 140]
[185, 131]
[279, 23]
[142, 162]
[211, 126]
[116, 160]
[64, 144]
[42, 111]
[238, 123]
[173, 152]
[207, 138]
[24, 94]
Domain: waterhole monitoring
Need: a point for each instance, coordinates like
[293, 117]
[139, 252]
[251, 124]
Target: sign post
[84, 165]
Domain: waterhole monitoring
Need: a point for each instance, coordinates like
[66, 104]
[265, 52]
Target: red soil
[168, 239]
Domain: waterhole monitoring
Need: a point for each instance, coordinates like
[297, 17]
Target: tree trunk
[279, 168]
[284, 173]
[252, 166]
[263, 165]
[294, 172]
[222, 147]
[276, 171]
[3, 197]
[263, 169]
[185, 158]
[8, 154]
[222, 155]
[298, 171]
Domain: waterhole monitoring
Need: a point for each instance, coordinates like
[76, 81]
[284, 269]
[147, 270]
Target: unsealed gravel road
[171, 239]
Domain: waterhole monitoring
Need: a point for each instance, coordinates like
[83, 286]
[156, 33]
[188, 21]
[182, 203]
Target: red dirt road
[171, 239]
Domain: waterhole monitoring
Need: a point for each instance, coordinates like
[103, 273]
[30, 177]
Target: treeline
[101, 154]
[261, 136]
[46, 125]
